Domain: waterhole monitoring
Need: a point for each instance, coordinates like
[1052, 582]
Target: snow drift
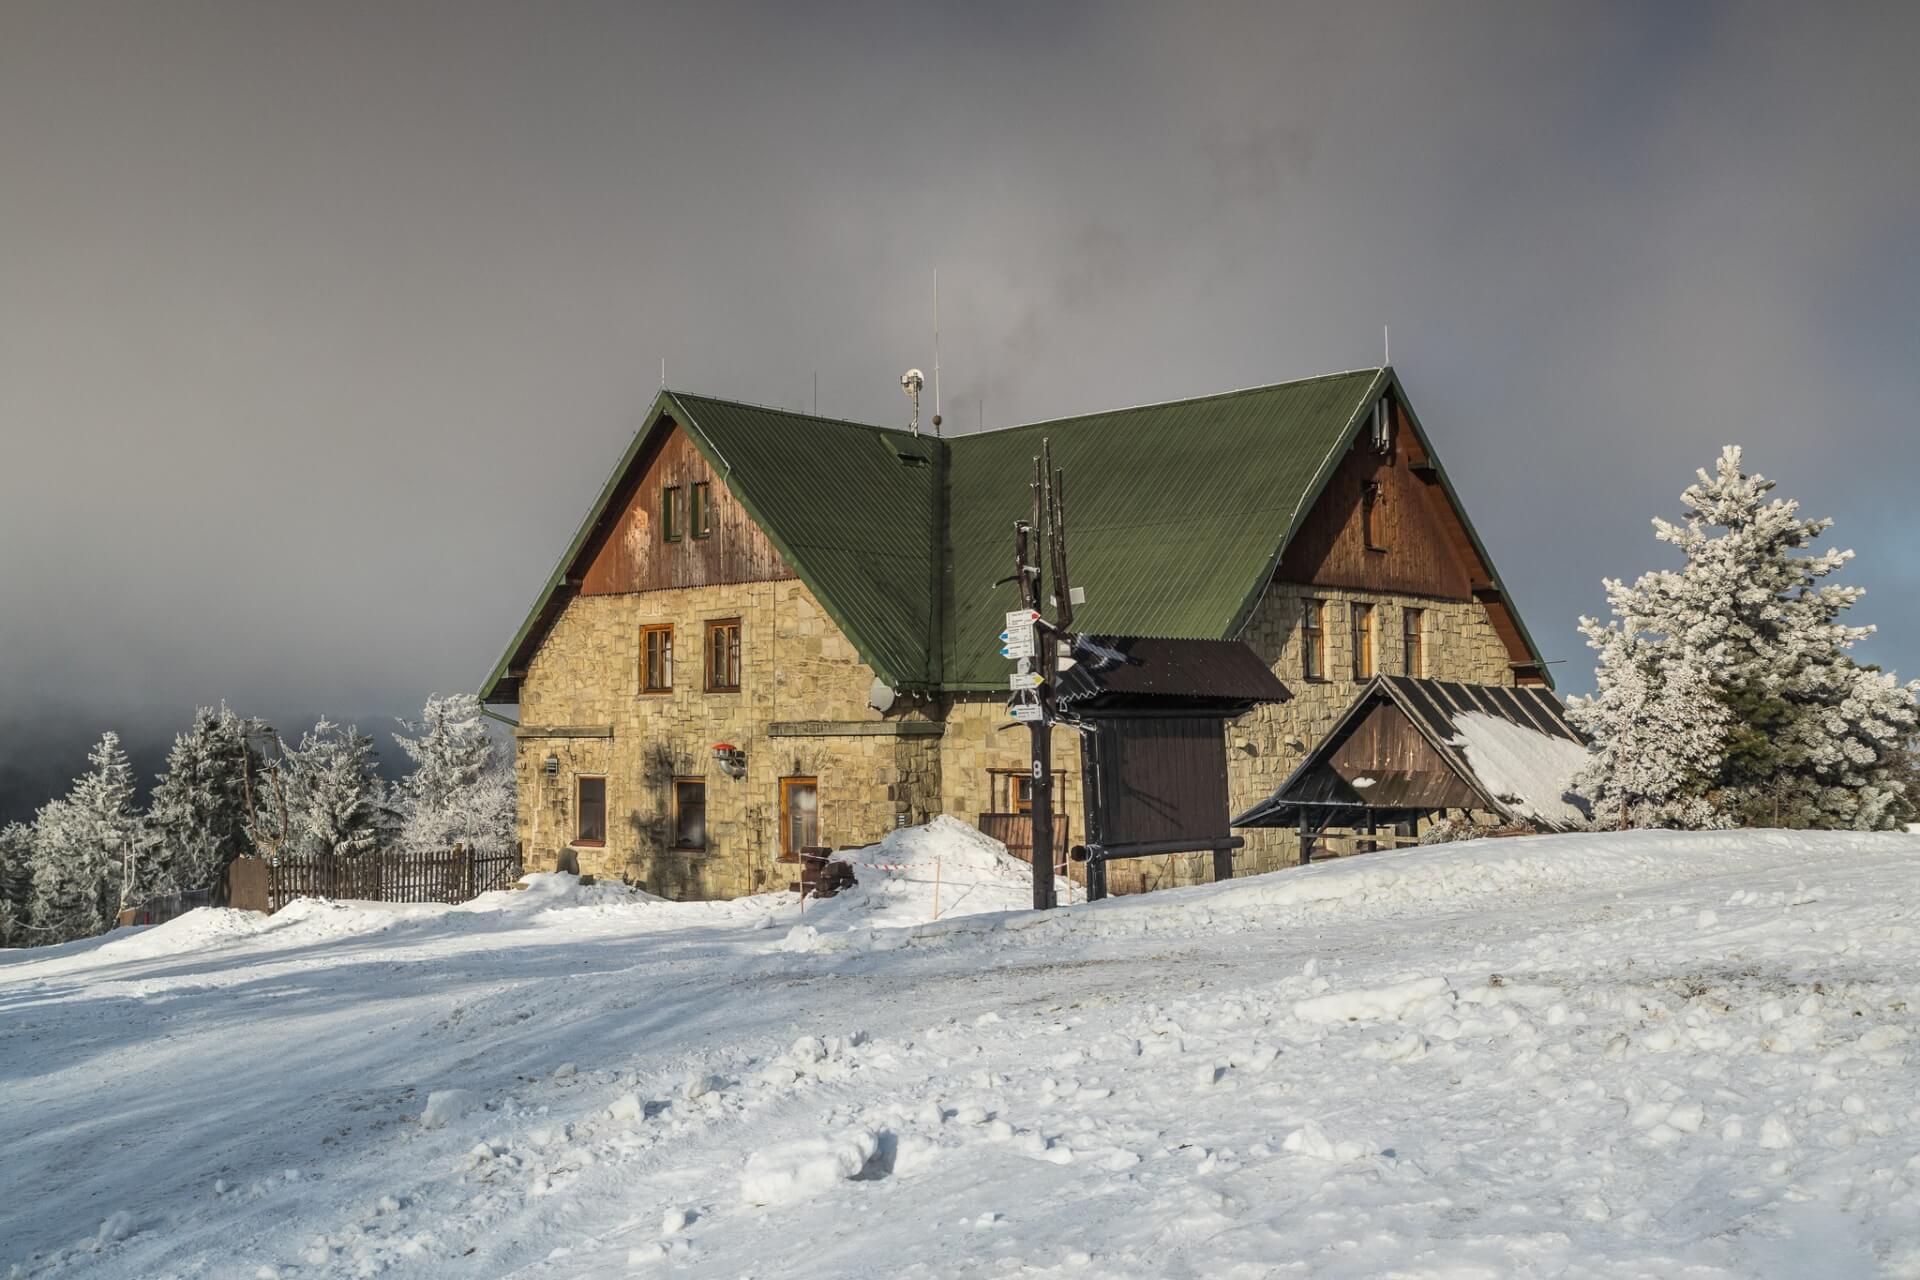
[1612, 1055]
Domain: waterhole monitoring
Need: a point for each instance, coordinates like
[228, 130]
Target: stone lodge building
[774, 630]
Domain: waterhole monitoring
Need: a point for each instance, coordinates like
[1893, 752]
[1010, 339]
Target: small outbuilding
[1153, 715]
[1411, 750]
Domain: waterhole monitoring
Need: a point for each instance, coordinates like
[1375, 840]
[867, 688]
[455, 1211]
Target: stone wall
[801, 711]
[1265, 746]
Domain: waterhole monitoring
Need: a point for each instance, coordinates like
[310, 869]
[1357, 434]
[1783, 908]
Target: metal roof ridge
[1168, 404]
[792, 413]
[1037, 422]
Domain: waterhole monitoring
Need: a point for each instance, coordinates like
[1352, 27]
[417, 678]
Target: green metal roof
[1177, 515]
[851, 508]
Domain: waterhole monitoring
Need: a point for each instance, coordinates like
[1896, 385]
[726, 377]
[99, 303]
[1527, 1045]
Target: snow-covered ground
[1622, 1055]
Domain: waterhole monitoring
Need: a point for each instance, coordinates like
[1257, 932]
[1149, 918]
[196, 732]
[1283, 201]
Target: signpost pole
[1041, 809]
[1035, 645]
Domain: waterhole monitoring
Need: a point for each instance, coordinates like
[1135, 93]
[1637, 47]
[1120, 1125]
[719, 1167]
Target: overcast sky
[321, 324]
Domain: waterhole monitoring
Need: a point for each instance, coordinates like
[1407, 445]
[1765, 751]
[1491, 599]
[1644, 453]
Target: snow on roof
[1526, 770]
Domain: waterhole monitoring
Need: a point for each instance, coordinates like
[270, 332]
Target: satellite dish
[880, 697]
[911, 381]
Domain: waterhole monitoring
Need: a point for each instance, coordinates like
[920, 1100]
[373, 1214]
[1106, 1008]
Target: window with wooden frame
[690, 814]
[723, 655]
[1413, 641]
[702, 525]
[1370, 517]
[590, 811]
[656, 658]
[1363, 642]
[1313, 640]
[799, 816]
[1011, 790]
[673, 513]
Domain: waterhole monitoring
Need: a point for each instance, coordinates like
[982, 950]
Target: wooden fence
[452, 875]
[1015, 830]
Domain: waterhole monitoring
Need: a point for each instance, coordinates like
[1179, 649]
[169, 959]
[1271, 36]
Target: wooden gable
[1420, 545]
[1400, 766]
[633, 555]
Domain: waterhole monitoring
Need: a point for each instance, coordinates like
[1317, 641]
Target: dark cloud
[319, 325]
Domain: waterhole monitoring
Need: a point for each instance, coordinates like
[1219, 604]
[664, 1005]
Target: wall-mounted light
[731, 759]
[552, 765]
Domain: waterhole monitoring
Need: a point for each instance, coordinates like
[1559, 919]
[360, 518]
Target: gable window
[1413, 630]
[656, 658]
[590, 811]
[723, 655]
[1313, 640]
[1363, 662]
[690, 813]
[673, 513]
[702, 509]
[1370, 517]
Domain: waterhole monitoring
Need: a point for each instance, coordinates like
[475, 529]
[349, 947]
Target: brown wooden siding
[1386, 747]
[1422, 555]
[1161, 778]
[1427, 550]
[633, 557]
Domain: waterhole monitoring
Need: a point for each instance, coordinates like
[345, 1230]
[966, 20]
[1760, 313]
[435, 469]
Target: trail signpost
[1038, 648]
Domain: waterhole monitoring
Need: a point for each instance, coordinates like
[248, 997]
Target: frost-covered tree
[1658, 729]
[16, 883]
[197, 817]
[1810, 737]
[461, 788]
[84, 847]
[336, 803]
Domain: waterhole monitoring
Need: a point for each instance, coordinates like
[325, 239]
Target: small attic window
[702, 509]
[1370, 517]
[673, 513]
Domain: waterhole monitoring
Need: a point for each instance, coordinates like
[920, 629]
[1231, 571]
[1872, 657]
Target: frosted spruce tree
[16, 883]
[461, 788]
[1658, 728]
[1810, 737]
[336, 802]
[85, 845]
[197, 818]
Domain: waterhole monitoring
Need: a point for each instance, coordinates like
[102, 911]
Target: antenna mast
[910, 382]
[936, 351]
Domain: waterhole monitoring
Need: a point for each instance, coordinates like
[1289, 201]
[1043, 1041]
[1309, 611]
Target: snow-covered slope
[1621, 1055]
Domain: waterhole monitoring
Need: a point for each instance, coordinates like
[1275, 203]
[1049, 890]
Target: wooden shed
[1153, 714]
[1407, 750]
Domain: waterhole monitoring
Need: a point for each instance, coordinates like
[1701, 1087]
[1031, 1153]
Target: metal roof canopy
[1132, 675]
[1316, 790]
